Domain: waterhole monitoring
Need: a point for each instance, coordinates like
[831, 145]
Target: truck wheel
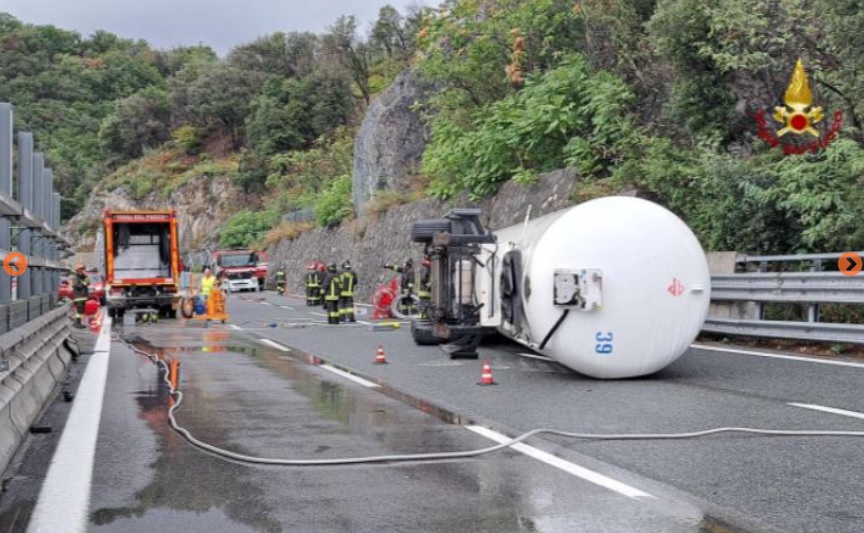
[423, 230]
[421, 332]
[187, 308]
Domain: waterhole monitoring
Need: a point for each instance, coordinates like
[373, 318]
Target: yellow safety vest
[207, 285]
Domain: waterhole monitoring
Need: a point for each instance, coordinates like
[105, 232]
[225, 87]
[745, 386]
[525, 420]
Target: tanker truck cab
[460, 280]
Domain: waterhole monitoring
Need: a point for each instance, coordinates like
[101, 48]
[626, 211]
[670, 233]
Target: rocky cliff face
[202, 205]
[391, 139]
[385, 238]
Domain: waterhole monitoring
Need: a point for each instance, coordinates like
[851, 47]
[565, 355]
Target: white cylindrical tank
[641, 282]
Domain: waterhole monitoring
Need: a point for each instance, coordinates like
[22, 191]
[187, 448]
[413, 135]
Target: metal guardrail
[812, 288]
[803, 287]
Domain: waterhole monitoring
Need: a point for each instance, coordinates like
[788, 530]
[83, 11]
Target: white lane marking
[265, 303]
[352, 377]
[777, 356]
[832, 410]
[234, 326]
[63, 504]
[318, 314]
[274, 344]
[287, 307]
[571, 468]
[364, 322]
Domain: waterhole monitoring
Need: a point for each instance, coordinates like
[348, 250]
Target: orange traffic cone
[379, 357]
[486, 378]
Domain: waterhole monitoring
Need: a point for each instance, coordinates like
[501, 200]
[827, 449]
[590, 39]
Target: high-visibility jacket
[349, 281]
[332, 286]
[313, 279]
[280, 277]
[207, 284]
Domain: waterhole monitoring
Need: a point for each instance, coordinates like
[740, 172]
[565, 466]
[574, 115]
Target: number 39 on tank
[604, 342]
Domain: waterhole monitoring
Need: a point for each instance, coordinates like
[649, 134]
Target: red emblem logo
[799, 119]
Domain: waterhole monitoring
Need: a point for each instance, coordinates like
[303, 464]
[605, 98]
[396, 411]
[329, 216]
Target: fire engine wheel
[424, 230]
[421, 332]
[187, 308]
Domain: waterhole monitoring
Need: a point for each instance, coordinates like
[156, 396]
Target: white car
[242, 284]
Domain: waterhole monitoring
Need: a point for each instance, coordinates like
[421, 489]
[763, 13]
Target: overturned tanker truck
[612, 288]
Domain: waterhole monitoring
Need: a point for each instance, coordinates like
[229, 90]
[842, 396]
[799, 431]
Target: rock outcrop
[391, 139]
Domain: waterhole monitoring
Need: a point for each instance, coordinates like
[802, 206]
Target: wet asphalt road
[249, 397]
[258, 401]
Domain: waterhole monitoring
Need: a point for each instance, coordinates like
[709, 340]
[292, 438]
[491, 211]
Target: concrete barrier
[724, 263]
[34, 361]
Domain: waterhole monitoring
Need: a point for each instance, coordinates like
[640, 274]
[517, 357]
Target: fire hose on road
[177, 395]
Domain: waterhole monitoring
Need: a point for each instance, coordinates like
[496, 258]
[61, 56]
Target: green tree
[352, 53]
[222, 97]
[138, 122]
[245, 227]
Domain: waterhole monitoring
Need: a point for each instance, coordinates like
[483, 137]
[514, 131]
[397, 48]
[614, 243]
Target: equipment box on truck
[141, 261]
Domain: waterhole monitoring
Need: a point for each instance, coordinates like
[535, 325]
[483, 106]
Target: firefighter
[406, 285]
[312, 281]
[332, 292]
[80, 292]
[424, 291]
[346, 300]
[280, 281]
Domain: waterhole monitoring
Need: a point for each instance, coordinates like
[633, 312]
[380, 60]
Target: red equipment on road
[383, 299]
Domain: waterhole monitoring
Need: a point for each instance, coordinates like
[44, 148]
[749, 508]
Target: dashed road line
[348, 375]
[832, 410]
[274, 344]
[571, 468]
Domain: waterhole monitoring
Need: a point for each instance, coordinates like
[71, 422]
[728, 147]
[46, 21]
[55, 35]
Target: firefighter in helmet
[280, 280]
[346, 300]
[80, 291]
[332, 293]
[407, 283]
[312, 281]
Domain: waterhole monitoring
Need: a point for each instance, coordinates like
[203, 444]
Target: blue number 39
[604, 341]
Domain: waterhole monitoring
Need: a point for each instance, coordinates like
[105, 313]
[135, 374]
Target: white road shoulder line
[561, 464]
[234, 326]
[352, 377]
[274, 344]
[63, 504]
[778, 356]
[318, 314]
[832, 410]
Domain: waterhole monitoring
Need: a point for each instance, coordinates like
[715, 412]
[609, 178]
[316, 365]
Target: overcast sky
[220, 24]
